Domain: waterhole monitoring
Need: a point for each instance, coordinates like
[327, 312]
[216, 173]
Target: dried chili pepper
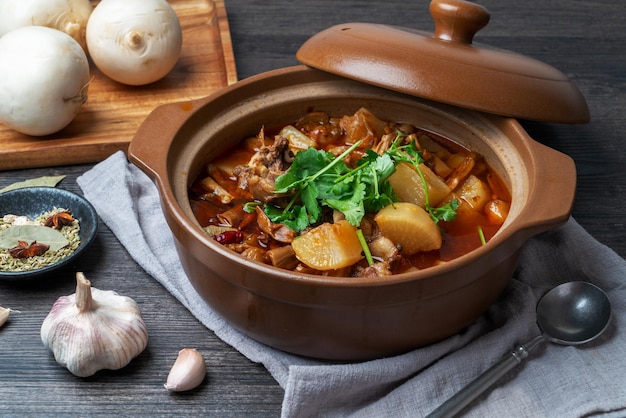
[229, 237]
[59, 220]
[25, 250]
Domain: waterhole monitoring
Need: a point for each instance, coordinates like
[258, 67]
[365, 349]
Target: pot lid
[447, 67]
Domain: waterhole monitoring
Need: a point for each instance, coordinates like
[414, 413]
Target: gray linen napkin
[557, 381]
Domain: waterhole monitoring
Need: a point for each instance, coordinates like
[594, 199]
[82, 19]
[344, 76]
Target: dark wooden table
[584, 39]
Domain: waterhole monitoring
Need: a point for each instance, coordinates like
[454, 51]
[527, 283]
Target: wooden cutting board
[108, 120]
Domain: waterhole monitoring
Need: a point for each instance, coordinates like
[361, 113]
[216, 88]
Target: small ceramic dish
[32, 202]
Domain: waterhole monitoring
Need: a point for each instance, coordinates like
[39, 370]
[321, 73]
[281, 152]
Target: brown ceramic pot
[346, 318]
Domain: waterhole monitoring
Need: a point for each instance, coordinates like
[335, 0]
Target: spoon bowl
[572, 313]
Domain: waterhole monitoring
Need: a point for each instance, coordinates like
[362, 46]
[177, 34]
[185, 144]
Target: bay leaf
[46, 181]
[42, 234]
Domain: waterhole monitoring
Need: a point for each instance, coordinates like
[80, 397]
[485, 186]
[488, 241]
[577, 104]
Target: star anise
[60, 220]
[25, 250]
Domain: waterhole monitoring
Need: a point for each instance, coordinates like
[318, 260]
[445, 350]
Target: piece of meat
[269, 162]
[279, 232]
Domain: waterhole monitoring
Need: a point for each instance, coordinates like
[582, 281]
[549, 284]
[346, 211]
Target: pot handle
[151, 143]
[554, 177]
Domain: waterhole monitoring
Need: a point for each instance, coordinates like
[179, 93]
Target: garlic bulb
[188, 371]
[94, 329]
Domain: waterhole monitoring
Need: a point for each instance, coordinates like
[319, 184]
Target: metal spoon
[571, 313]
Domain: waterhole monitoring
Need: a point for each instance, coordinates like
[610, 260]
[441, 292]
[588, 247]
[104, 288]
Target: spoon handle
[474, 389]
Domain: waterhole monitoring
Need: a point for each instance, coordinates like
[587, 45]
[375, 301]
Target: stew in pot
[350, 196]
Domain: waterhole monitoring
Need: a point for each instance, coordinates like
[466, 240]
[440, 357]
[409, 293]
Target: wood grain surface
[584, 39]
[113, 112]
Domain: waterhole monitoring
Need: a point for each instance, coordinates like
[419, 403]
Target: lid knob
[458, 20]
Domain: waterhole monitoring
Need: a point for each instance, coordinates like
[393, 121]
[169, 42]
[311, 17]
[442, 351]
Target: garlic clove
[188, 371]
[93, 330]
[4, 315]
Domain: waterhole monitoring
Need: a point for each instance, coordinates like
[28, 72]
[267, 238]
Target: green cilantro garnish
[366, 248]
[481, 235]
[322, 180]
